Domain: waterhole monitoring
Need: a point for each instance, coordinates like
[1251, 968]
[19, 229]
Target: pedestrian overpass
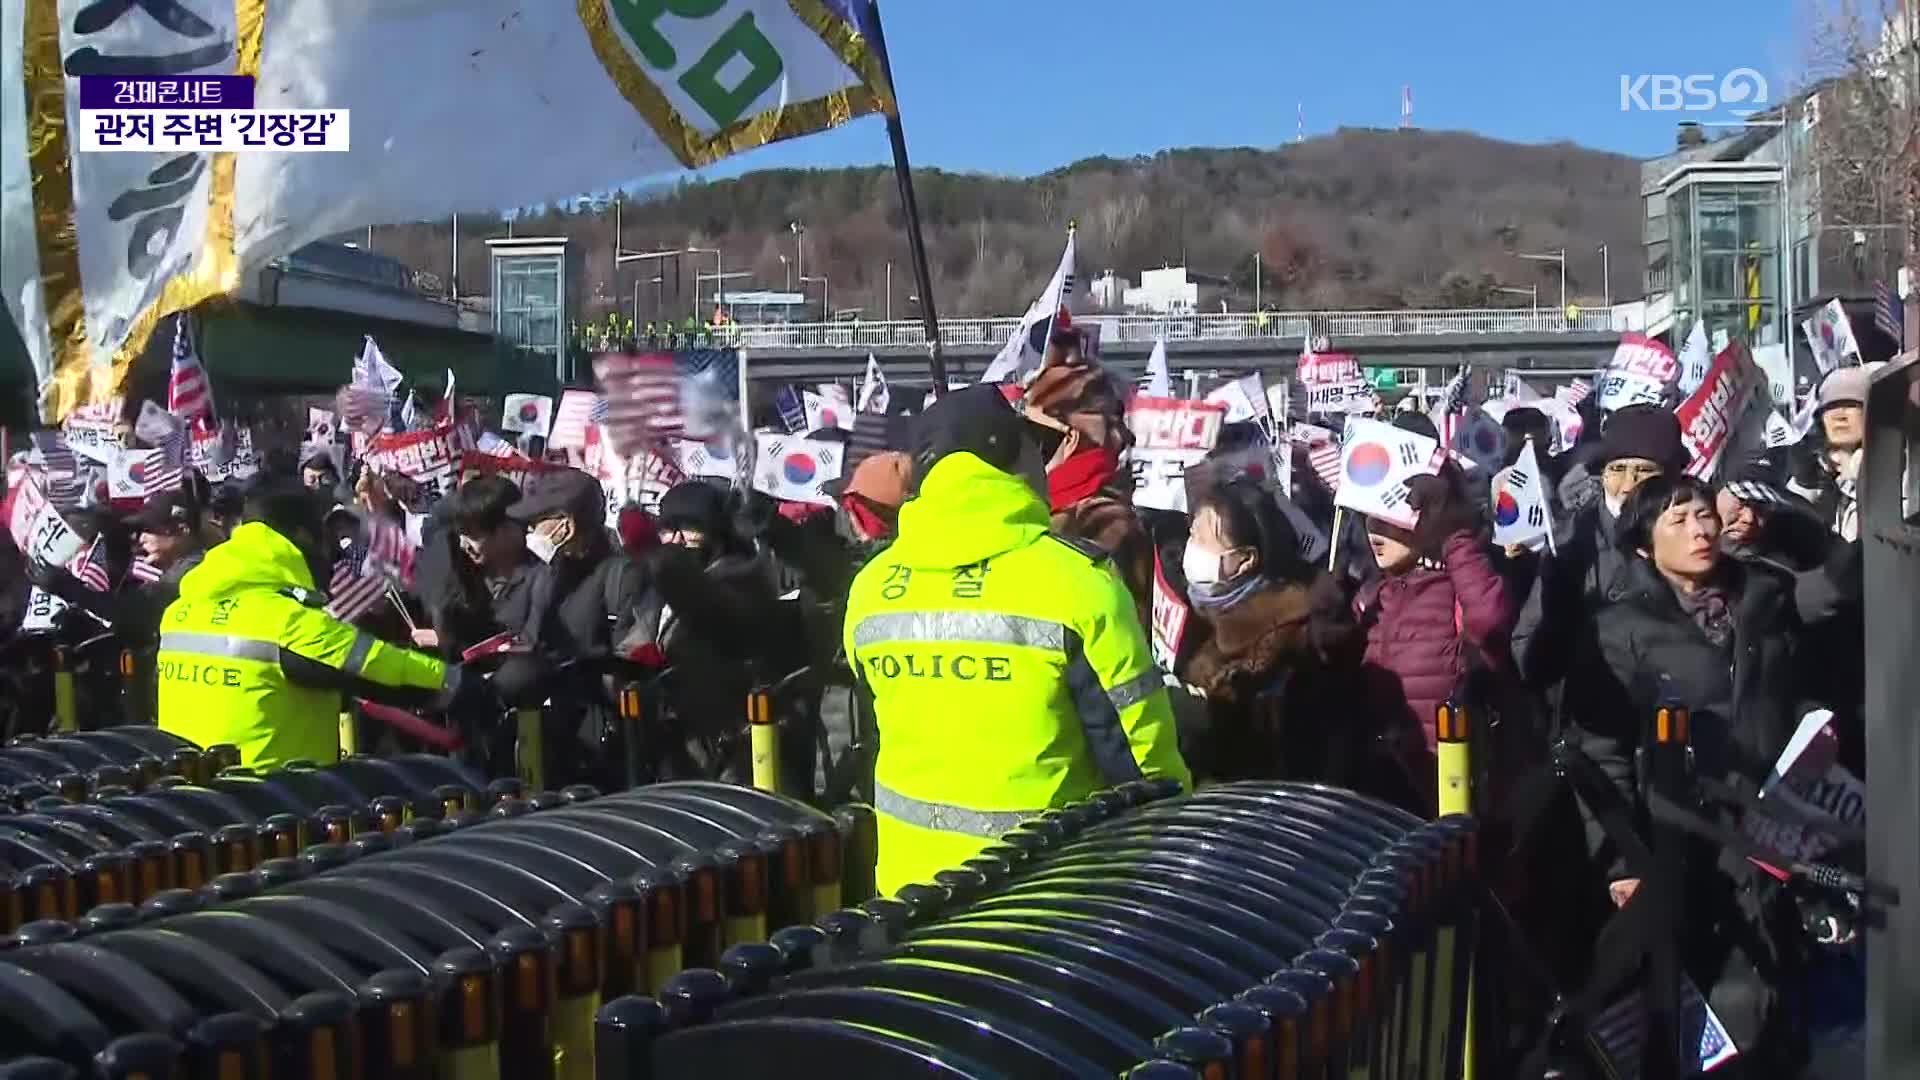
[1430, 341]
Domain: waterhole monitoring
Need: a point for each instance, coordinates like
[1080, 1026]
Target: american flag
[389, 552]
[1888, 313]
[869, 437]
[1325, 460]
[362, 409]
[63, 482]
[571, 417]
[91, 568]
[792, 407]
[1453, 401]
[642, 392]
[350, 594]
[143, 570]
[188, 395]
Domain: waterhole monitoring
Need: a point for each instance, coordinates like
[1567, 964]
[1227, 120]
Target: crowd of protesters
[1740, 598]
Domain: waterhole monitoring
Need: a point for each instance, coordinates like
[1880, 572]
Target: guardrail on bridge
[1297, 326]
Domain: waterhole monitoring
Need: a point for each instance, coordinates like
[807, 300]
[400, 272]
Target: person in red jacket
[1437, 609]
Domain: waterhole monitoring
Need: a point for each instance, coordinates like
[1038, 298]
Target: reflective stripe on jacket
[1009, 671]
[226, 642]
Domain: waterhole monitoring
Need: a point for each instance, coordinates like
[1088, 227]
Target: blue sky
[1022, 86]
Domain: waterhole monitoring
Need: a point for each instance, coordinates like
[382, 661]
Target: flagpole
[910, 207]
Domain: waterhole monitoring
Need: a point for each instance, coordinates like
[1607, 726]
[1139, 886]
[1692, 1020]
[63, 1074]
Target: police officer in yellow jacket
[1009, 671]
[249, 656]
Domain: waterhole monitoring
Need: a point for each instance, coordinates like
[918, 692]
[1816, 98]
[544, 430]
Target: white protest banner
[1641, 370]
[225, 454]
[527, 414]
[1707, 417]
[1520, 511]
[322, 427]
[601, 461]
[1170, 613]
[796, 469]
[94, 436]
[39, 530]
[43, 612]
[1334, 383]
[1244, 398]
[1169, 434]
[427, 458]
[1376, 461]
[1808, 793]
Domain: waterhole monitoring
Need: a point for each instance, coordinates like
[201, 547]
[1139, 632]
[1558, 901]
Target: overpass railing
[1242, 326]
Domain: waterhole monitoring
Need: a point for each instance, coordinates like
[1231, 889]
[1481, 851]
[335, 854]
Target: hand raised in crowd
[1443, 508]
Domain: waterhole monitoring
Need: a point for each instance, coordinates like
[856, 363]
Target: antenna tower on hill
[1406, 106]
[1300, 129]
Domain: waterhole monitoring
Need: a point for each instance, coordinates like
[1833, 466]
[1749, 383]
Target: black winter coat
[1745, 698]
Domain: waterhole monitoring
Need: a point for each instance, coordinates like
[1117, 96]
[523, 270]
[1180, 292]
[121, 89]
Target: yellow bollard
[529, 756]
[578, 976]
[469, 1016]
[747, 891]
[1455, 751]
[766, 741]
[65, 711]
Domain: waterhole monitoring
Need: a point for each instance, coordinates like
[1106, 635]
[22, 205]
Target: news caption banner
[150, 113]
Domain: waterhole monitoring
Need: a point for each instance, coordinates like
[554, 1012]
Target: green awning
[252, 350]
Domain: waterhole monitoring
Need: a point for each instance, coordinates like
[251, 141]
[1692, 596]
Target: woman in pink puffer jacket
[1437, 609]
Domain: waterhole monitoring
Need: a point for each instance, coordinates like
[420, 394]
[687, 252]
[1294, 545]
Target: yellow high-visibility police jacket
[1009, 670]
[248, 657]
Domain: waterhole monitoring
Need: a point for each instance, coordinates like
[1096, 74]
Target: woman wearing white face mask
[1274, 648]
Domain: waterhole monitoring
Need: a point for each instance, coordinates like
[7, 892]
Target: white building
[1163, 292]
[1108, 291]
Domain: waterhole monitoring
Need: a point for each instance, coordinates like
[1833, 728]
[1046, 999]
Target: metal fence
[1284, 326]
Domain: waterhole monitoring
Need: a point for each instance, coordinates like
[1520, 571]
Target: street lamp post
[786, 270]
[1606, 276]
[1256, 282]
[1556, 256]
[1532, 292]
[799, 232]
[826, 311]
[889, 290]
[715, 252]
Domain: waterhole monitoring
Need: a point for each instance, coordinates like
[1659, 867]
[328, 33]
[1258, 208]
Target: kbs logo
[1694, 93]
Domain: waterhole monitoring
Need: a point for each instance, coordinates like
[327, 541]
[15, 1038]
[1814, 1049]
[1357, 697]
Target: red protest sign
[1170, 615]
[1707, 418]
[427, 458]
[1175, 423]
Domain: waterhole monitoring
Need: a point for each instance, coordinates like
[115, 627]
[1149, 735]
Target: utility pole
[1556, 256]
[1606, 276]
[1256, 282]
[453, 279]
[889, 290]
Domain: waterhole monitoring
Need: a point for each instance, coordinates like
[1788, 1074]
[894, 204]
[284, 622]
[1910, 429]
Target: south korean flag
[1521, 515]
[1376, 461]
[794, 469]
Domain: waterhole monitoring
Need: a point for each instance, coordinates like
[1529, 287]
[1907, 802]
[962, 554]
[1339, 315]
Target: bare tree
[1862, 66]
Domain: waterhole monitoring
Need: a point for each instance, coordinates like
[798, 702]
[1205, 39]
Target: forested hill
[1360, 218]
